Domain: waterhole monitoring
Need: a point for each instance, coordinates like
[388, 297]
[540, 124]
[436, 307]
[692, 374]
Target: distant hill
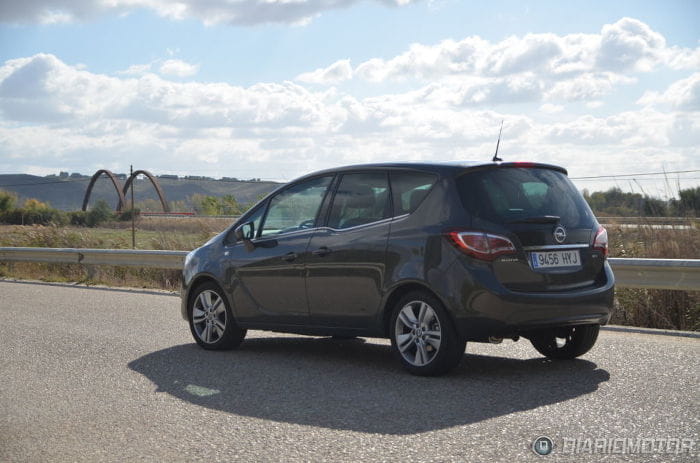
[67, 192]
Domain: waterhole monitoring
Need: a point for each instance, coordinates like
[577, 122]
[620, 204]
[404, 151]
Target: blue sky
[257, 88]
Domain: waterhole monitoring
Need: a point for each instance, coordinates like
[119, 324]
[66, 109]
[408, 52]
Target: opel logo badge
[559, 234]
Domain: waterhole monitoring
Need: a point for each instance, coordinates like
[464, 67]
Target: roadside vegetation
[101, 228]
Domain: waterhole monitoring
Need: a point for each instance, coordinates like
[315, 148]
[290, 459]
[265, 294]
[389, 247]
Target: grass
[161, 234]
[656, 308]
[638, 307]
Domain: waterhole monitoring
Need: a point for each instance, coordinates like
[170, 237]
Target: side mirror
[245, 232]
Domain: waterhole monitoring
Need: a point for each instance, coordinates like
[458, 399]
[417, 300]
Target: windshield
[524, 195]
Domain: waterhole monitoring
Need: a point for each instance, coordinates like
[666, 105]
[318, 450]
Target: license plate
[553, 259]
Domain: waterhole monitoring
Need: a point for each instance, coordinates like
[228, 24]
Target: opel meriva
[428, 255]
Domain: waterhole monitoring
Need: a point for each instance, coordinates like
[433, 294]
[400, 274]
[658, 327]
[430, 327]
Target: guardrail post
[92, 272]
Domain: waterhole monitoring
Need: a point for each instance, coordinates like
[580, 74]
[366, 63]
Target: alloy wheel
[418, 333]
[209, 317]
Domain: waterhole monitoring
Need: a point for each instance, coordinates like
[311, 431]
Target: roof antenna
[495, 156]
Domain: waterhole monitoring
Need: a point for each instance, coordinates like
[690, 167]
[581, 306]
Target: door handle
[321, 252]
[290, 256]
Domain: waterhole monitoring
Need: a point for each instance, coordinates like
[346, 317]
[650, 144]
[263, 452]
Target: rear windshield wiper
[538, 219]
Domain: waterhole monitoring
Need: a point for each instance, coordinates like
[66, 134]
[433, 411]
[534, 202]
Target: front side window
[361, 198]
[296, 207]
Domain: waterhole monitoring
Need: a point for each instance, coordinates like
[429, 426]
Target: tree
[689, 202]
[7, 201]
[229, 205]
[213, 205]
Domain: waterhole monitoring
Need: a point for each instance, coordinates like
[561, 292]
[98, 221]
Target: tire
[211, 319]
[565, 343]
[423, 336]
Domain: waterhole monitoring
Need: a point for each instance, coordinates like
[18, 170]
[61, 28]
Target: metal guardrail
[679, 274]
[136, 257]
[657, 223]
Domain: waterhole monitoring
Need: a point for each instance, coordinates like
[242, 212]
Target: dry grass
[161, 234]
[637, 307]
[656, 308]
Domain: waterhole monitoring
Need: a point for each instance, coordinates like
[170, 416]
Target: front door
[270, 272]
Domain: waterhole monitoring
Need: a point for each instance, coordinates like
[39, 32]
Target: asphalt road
[108, 375]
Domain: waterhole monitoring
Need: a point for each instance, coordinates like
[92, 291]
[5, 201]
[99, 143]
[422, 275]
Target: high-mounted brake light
[600, 242]
[484, 246]
[523, 164]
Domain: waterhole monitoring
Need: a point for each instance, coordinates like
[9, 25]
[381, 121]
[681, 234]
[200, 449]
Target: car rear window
[510, 194]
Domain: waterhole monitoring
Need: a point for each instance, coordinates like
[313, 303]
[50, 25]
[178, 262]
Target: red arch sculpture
[115, 182]
[155, 183]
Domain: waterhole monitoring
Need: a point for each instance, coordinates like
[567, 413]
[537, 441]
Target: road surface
[113, 375]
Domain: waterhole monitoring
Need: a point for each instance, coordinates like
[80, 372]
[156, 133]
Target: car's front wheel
[565, 343]
[211, 319]
[423, 336]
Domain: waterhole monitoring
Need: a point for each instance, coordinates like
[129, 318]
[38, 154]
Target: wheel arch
[400, 291]
[192, 287]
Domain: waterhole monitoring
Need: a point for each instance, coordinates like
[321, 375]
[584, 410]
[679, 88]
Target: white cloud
[241, 12]
[535, 67]
[629, 44]
[630, 128]
[682, 95]
[336, 72]
[136, 70]
[43, 88]
[551, 108]
[178, 68]
[590, 86]
[56, 114]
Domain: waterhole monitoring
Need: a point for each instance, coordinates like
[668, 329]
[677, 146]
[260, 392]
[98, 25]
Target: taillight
[600, 242]
[484, 246]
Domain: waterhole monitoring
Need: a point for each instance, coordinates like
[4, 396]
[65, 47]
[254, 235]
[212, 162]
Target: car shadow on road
[359, 386]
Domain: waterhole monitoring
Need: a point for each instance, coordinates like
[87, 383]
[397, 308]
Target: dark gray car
[428, 255]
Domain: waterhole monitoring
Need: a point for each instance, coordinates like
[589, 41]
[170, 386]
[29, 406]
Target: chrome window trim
[364, 225]
[555, 247]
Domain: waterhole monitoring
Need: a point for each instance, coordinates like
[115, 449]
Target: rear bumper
[484, 312]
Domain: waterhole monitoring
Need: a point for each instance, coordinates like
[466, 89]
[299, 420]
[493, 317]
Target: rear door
[346, 258]
[544, 215]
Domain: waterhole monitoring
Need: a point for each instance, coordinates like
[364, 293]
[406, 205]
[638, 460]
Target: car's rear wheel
[565, 343]
[423, 336]
[211, 320]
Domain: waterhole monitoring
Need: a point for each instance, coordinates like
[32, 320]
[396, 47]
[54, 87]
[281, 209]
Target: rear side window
[509, 195]
[409, 190]
[361, 198]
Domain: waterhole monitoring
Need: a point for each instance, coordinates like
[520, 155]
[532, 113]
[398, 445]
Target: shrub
[78, 218]
[22, 216]
[126, 216]
[99, 214]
